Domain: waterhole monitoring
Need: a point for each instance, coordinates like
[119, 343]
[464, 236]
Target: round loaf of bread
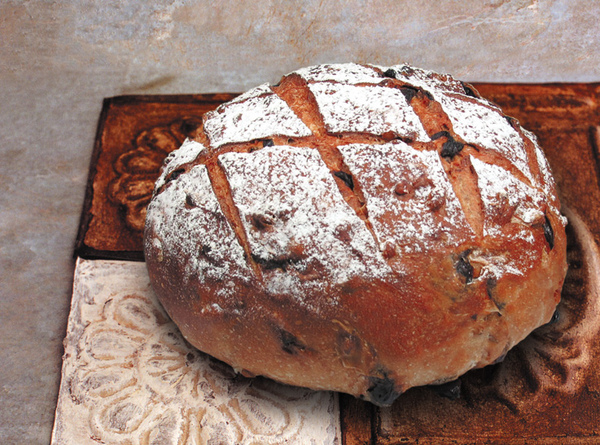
[357, 228]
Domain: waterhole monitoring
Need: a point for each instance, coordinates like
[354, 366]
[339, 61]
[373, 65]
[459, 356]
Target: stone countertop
[58, 60]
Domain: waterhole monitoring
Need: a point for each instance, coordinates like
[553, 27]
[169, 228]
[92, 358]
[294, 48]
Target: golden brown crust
[357, 228]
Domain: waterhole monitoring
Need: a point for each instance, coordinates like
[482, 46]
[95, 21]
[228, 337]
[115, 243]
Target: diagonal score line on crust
[308, 111]
[456, 164]
[196, 153]
[222, 189]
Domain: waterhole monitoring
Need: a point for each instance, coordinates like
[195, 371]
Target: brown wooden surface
[136, 132]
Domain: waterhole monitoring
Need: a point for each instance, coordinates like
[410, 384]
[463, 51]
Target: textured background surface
[59, 59]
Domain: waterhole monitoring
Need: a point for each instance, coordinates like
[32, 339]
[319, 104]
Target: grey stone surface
[59, 59]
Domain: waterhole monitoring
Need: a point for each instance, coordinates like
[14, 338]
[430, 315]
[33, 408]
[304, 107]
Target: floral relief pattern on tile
[129, 377]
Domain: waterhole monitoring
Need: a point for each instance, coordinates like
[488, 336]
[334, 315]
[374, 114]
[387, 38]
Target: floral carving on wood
[138, 168]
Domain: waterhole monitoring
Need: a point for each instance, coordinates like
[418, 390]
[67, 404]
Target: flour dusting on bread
[357, 228]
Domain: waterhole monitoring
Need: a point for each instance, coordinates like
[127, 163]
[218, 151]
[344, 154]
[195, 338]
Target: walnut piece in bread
[357, 228]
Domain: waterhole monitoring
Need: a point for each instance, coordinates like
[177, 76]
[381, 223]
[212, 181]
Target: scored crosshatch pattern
[564, 117]
[420, 186]
[404, 109]
[299, 210]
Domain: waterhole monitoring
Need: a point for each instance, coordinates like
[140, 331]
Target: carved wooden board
[546, 391]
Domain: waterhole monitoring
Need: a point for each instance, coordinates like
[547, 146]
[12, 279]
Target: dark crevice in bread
[470, 90]
[220, 186]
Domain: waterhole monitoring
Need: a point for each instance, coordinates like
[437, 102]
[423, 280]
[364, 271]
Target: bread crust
[357, 228]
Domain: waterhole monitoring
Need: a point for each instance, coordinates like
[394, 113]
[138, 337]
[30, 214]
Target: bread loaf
[357, 228]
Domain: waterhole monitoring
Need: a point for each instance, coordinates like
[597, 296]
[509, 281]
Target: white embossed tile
[129, 377]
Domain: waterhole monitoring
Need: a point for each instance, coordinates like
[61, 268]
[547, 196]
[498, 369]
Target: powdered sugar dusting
[187, 153]
[366, 108]
[260, 90]
[481, 125]
[548, 185]
[504, 196]
[410, 200]
[346, 73]
[189, 225]
[298, 225]
[476, 120]
[428, 80]
[258, 117]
